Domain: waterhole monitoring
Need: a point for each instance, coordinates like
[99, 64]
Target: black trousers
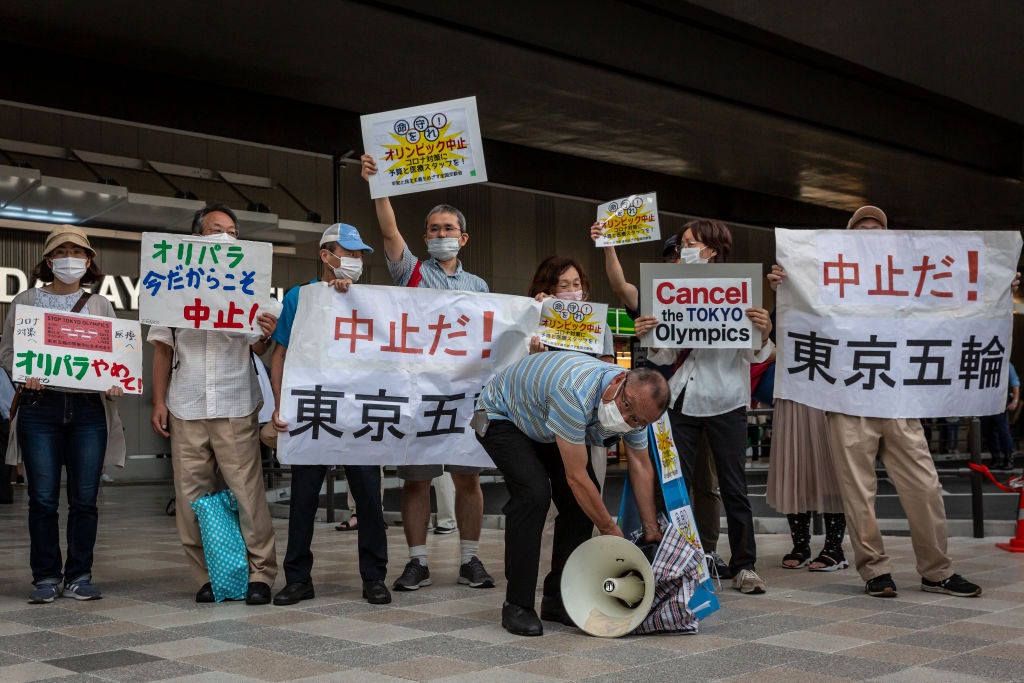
[364, 481]
[535, 477]
[727, 437]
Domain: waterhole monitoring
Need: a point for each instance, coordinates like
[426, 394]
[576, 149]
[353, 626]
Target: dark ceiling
[781, 113]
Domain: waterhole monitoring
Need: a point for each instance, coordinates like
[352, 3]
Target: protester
[710, 393]
[535, 419]
[444, 235]
[996, 428]
[212, 421]
[341, 259]
[857, 442]
[705, 496]
[560, 277]
[57, 428]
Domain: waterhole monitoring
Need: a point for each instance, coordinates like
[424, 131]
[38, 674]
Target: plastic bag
[227, 561]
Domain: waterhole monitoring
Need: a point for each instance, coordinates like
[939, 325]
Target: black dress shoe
[205, 594]
[293, 592]
[376, 593]
[258, 593]
[552, 609]
[521, 621]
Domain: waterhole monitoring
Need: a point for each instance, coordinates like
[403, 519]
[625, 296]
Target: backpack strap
[416, 277]
[80, 304]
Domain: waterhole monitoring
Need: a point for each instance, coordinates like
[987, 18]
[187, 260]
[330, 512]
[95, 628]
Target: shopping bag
[227, 561]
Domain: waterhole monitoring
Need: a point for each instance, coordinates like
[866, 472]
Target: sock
[418, 553]
[469, 549]
[800, 530]
[835, 529]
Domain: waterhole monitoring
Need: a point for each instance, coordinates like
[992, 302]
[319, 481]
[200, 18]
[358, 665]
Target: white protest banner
[424, 148]
[204, 283]
[701, 306]
[573, 325]
[390, 375]
[629, 220]
[77, 350]
[894, 323]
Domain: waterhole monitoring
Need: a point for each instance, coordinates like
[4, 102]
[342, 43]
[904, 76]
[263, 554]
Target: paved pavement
[808, 627]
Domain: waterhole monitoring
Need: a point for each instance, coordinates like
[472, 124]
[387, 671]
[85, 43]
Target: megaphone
[607, 586]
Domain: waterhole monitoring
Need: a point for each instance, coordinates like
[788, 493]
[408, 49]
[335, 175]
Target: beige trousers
[197, 448]
[856, 441]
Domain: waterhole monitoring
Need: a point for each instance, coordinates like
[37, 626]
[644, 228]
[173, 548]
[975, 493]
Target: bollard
[977, 500]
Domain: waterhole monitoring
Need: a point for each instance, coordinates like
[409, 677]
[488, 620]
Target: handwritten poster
[390, 375]
[887, 323]
[77, 350]
[204, 283]
[424, 148]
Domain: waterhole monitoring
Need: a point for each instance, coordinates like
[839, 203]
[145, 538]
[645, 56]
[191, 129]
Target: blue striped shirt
[433, 275]
[555, 393]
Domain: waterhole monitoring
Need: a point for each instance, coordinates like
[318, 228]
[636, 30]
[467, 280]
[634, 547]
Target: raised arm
[628, 294]
[394, 244]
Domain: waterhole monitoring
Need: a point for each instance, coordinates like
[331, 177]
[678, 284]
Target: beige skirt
[801, 476]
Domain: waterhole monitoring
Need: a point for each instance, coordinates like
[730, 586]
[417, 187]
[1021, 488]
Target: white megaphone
[607, 586]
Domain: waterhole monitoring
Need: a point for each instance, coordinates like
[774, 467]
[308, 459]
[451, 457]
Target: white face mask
[691, 255]
[348, 268]
[570, 296]
[609, 416]
[69, 270]
[443, 248]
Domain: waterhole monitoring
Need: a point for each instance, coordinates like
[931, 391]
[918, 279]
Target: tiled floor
[809, 627]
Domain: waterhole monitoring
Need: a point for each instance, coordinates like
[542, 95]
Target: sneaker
[44, 593]
[954, 585]
[474, 575]
[445, 530]
[881, 587]
[414, 576]
[717, 566]
[747, 581]
[82, 589]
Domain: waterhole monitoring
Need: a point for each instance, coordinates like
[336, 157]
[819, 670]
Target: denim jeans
[61, 429]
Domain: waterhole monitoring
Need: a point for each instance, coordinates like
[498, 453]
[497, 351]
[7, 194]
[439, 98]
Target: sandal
[801, 557]
[829, 563]
[350, 524]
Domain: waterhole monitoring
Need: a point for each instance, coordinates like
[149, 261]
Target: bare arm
[276, 374]
[574, 458]
[394, 244]
[628, 294]
[162, 355]
[641, 478]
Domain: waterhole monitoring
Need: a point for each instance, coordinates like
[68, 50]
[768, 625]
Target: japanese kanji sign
[77, 350]
[893, 323]
[573, 325]
[701, 306]
[390, 375]
[629, 220]
[203, 283]
[424, 148]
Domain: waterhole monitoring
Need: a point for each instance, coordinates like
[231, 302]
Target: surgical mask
[443, 248]
[69, 270]
[609, 416]
[570, 296]
[348, 268]
[691, 255]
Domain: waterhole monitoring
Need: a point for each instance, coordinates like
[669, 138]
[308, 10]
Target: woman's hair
[710, 233]
[550, 269]
[43, 272]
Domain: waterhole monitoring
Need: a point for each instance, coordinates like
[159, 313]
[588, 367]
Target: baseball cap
[67, 233]
[868, 212]
[345, 235]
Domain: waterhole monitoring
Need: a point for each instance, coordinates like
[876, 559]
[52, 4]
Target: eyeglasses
[630, 415]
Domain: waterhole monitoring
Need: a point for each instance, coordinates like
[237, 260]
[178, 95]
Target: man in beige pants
[856, 442]
[206, 398]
